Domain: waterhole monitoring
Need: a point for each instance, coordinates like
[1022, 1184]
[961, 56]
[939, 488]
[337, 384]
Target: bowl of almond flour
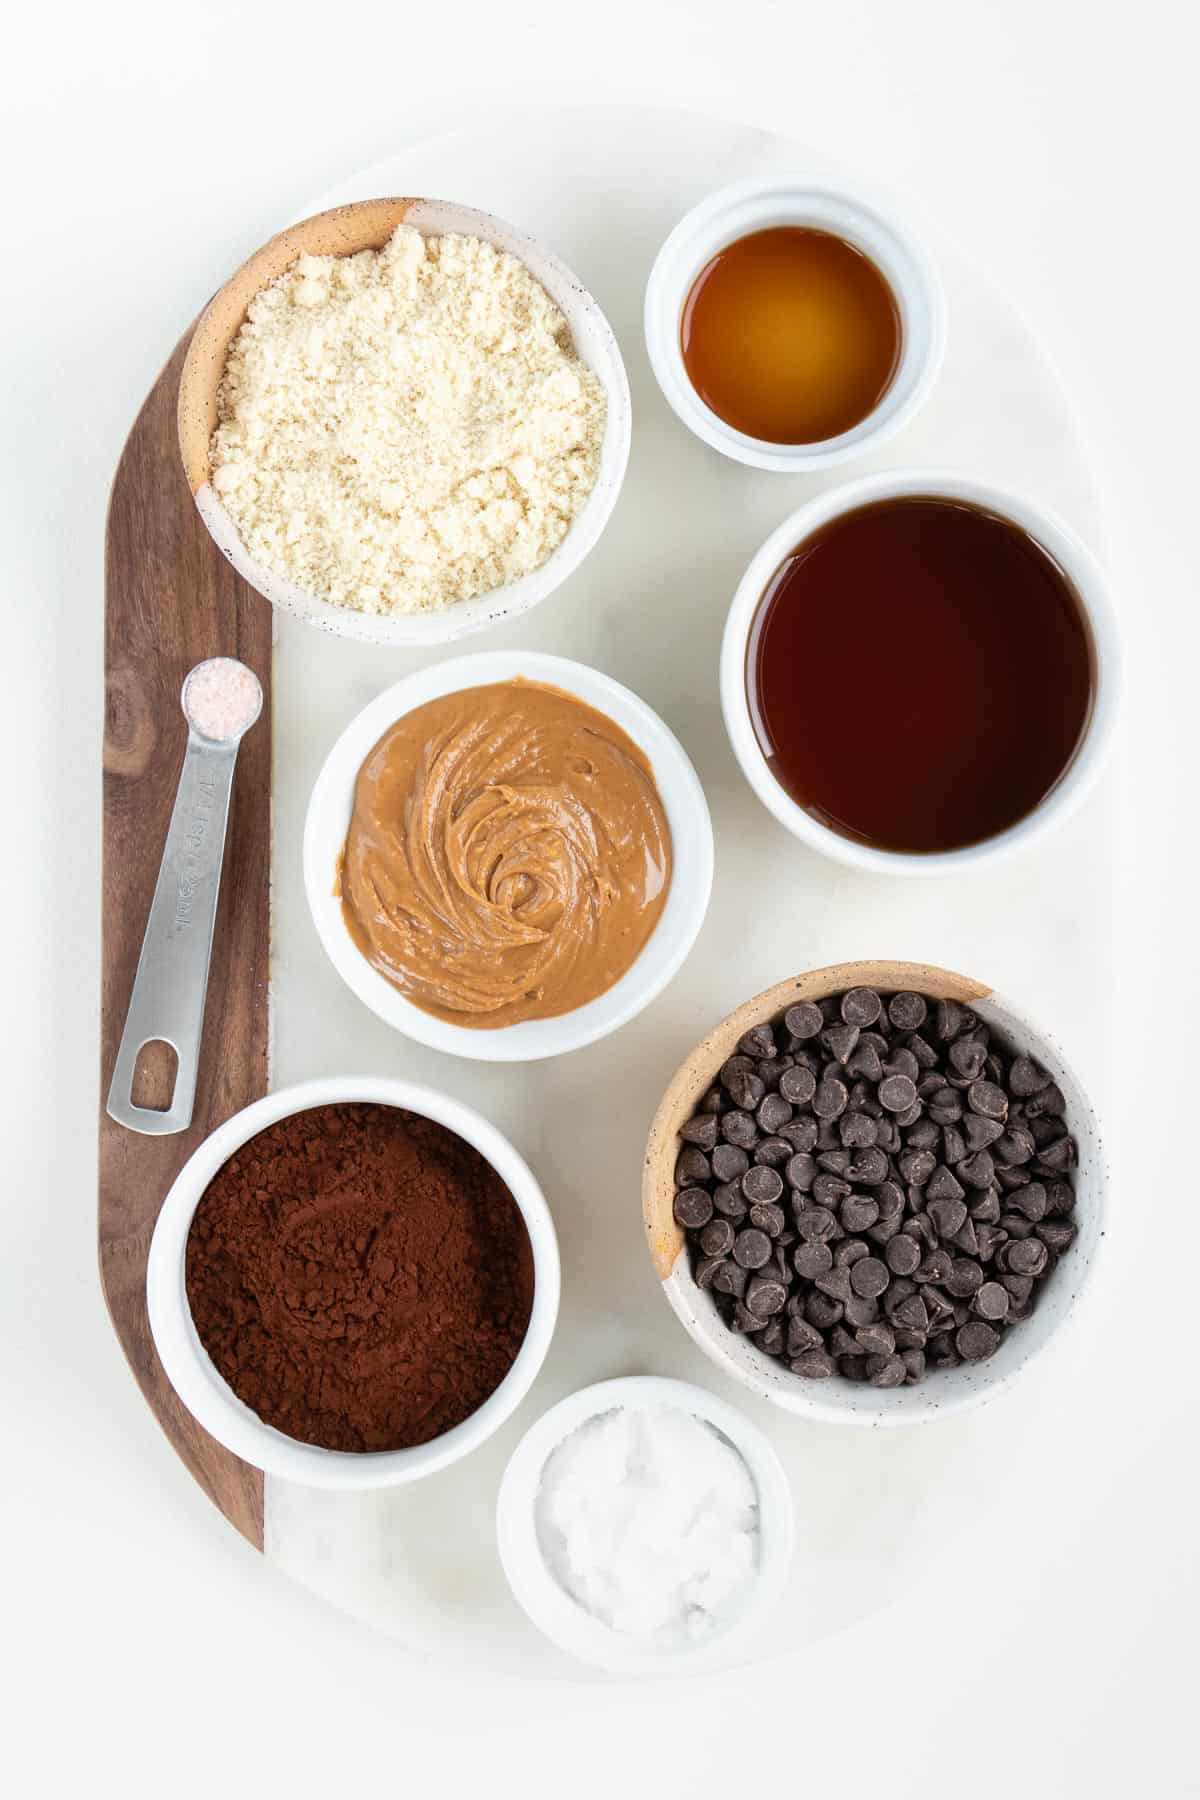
[404, 420]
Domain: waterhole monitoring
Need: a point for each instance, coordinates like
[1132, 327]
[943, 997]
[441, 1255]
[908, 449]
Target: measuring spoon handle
[171, 984]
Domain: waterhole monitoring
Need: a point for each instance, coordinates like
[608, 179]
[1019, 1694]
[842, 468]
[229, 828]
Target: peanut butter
[508, 855]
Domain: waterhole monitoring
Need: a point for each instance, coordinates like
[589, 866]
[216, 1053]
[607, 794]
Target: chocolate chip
[693, 1208]
[700, 1131]
[903, 1254]
[1025, 1077]
[968, 1056]
[1059, 1156]
[1057, 1235]
[1028, 1256]
[1031, 1201]
[691, 1166]
[829, 1100]
[875, 1340]
[991, 1302]
[951, 1018]
[889, 1373]
[730, 1279]
[765, 1296]
[738, 1128]
[858, 1213]
[800, 1172]
[716, 1239]
[729, 1162]
[907, 1011]
[744, 1088]
[835, 1283]
[767, 1218]
[948, 1216]
[797, 1086]
[981, 1132]
[965, 1278]
[858, 1130]
[889, 1197]
[829, 1190]
[816, 1223]
[729, 1200]
[812, 1258]
[860, 1310]
[758, 1041]
[977, 1171]
[869, 1168]
[770, 1339]
[706, 1268]
[804, 1020]
[869, 1277]
[773, 1111]
[942, 1185]
[860, 1006]
[762, 1187]
[751, 1248]
[976, 1341]
[897, 1093]
[814, 1365]
[822, 1311]
[988, 1100]
[916, 1166]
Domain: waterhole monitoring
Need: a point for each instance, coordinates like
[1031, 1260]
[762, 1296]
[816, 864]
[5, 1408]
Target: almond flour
[404, 428]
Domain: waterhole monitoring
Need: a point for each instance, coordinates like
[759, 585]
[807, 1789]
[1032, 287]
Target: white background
[145, 149]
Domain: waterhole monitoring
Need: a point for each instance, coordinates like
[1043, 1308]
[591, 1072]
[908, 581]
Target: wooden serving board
[171, 600]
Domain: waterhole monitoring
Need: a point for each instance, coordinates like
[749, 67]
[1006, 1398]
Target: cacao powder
[360, 1276]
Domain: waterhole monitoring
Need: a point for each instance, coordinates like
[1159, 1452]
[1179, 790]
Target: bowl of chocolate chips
[874, 1193]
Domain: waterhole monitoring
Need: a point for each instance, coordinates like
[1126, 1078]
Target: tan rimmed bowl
[835, 1400]
[367, 225]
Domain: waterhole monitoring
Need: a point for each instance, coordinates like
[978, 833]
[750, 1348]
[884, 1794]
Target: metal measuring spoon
[221, 699]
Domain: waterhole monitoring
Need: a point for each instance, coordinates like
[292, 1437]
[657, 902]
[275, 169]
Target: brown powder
[360, 1276]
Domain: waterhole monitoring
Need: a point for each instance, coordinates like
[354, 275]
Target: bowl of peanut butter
[507, 856]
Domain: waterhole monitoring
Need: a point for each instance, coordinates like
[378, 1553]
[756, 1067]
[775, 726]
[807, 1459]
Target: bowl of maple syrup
[920, 672]
[793, 327]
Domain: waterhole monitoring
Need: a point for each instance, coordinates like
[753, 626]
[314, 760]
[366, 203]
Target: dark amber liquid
[920, 674]
[790, 335]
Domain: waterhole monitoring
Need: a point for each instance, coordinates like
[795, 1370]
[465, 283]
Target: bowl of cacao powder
[353, 1282]
[874, 1193]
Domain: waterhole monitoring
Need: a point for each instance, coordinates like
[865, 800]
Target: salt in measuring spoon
[221, 700]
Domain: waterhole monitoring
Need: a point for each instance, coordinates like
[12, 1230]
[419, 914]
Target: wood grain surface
[171, 600]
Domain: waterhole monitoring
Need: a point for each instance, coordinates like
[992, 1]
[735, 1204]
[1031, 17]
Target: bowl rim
[210, 1399]
[663, 954]
[834, 1401]
[870, 221]
[1092, 590]
[560, 1618]
[343, 230]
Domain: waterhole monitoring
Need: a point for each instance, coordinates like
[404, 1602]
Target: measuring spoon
[221, 700]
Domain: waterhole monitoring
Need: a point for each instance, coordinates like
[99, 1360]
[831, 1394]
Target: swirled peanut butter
[508, 855]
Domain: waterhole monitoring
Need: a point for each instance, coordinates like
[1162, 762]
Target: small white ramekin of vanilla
[645, 1526]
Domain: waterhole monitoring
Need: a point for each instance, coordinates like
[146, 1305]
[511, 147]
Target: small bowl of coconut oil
[646, 1526]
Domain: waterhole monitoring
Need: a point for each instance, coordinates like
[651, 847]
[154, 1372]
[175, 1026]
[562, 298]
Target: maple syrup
[920, 674]
[790, 335]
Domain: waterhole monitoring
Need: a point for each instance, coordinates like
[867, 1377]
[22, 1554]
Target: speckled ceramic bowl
[835, 1400]
[367, 225]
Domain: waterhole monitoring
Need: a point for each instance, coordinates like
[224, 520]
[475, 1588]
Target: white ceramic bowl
[834, 1400]
[210, 1399]
[1072, 557]
[565, 1622]
[365, 224]
[683, 800]
[748, 206]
